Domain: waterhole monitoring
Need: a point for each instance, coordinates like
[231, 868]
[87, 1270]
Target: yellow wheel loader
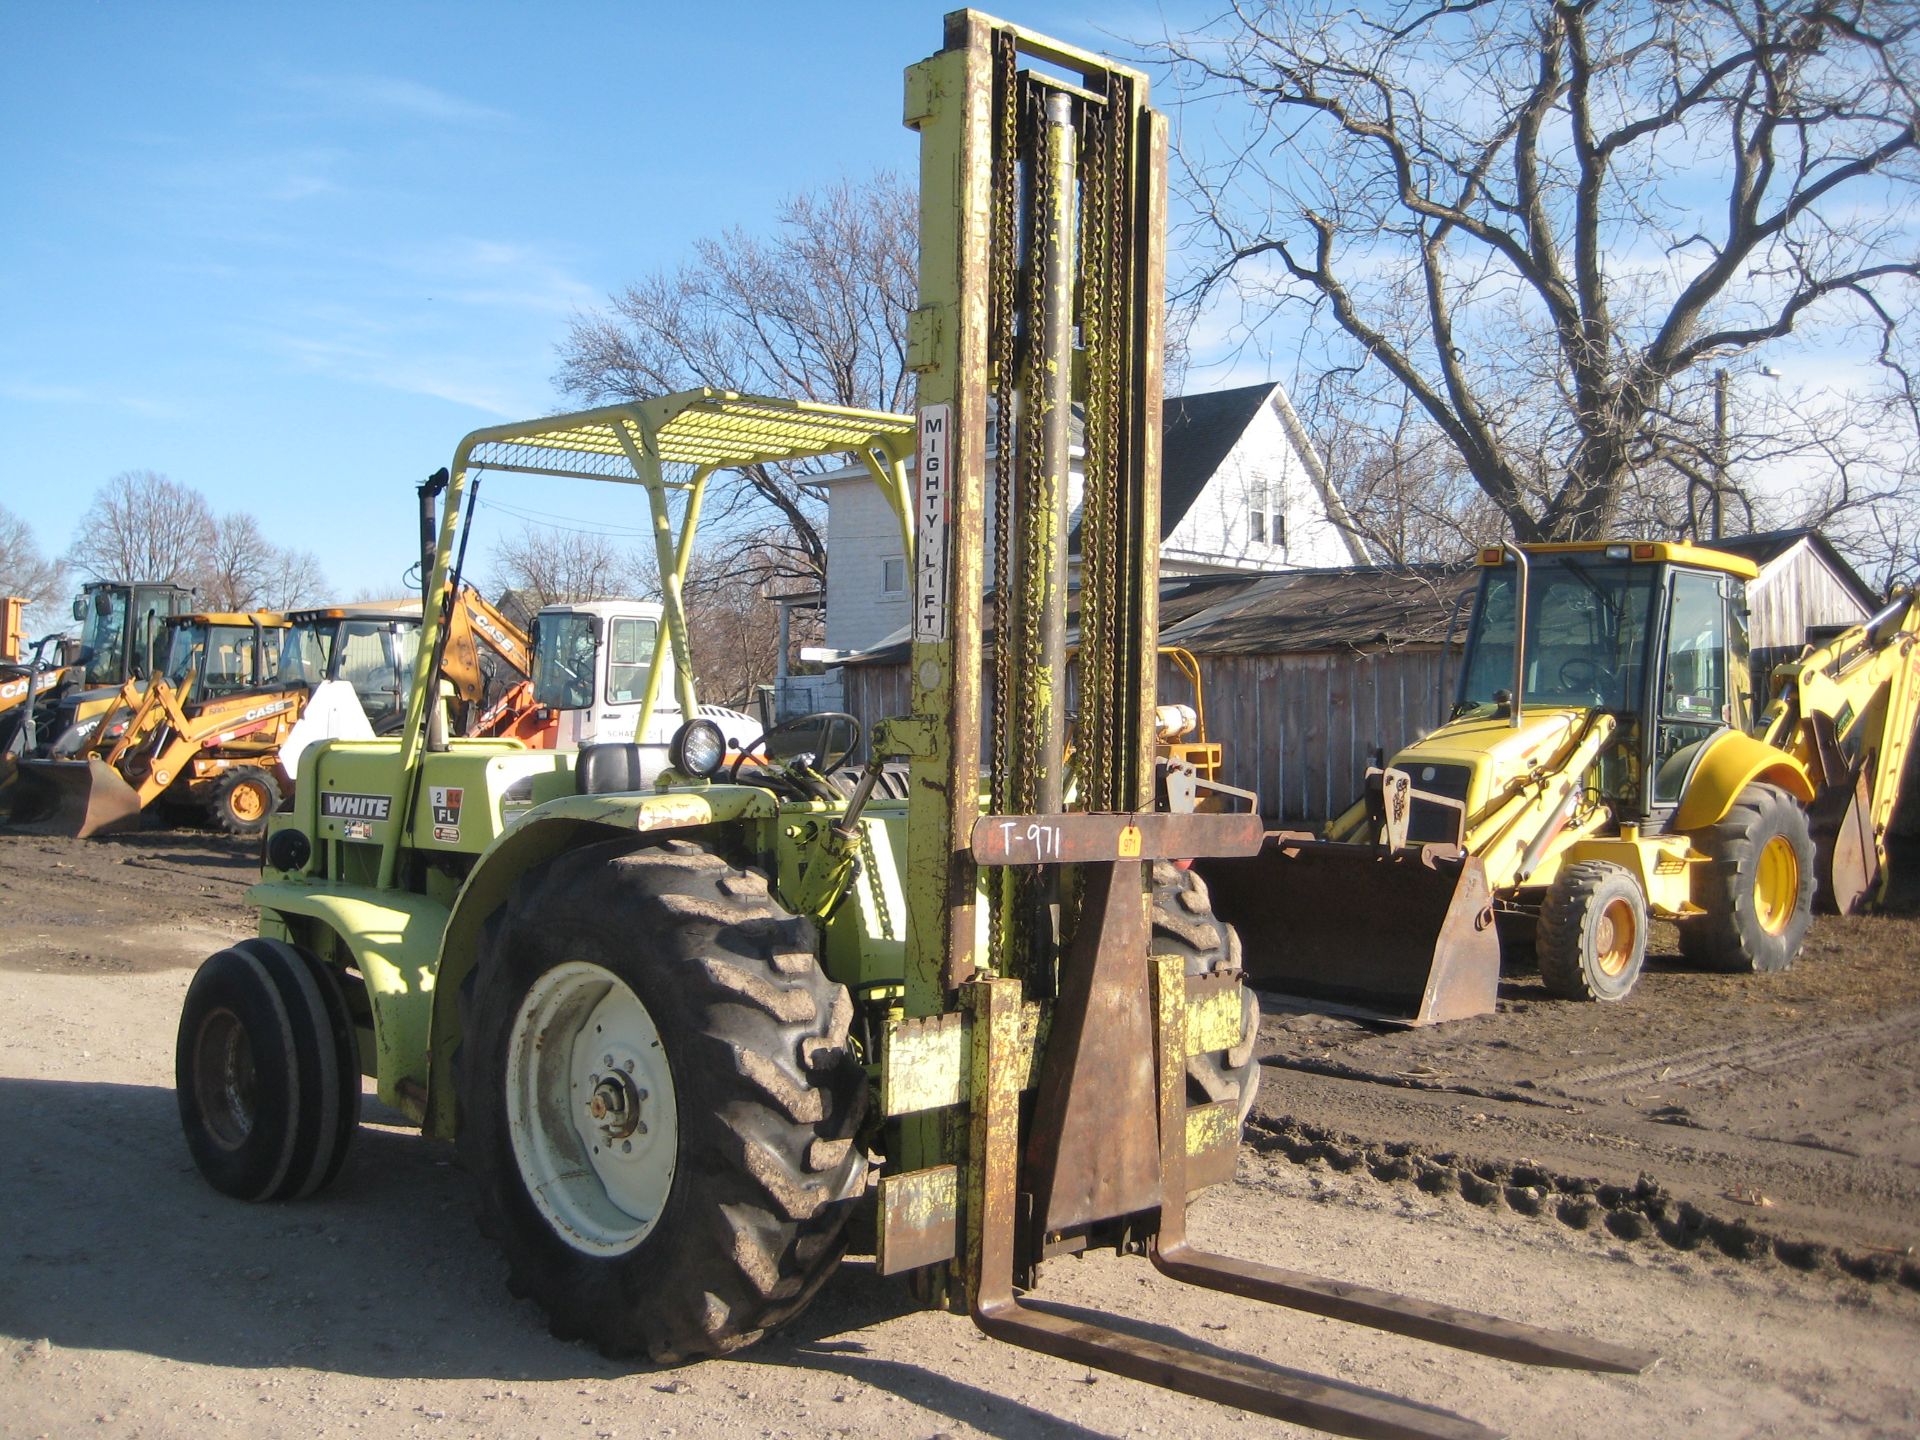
[1602, 767]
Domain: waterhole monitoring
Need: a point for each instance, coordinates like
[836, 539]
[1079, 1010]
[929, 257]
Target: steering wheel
[1581, 672]
[786, 742]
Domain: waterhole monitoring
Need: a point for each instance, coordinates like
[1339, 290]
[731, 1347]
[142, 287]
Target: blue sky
[288, 255]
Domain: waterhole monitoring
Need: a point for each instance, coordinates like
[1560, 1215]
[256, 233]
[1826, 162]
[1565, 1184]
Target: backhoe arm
[1847, 711]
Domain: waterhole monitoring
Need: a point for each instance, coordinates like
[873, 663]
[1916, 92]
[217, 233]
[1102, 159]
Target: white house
[1240, 489]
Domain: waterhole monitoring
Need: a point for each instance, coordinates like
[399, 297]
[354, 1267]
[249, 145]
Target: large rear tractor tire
[1592, 936]
[658, 1100]
[1184, 924]
[1756, 886]
[267, 1072]
[243, 799]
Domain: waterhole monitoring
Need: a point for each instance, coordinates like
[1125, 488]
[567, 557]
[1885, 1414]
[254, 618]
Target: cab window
[563, 662]
[1695, 701]
[630, 657]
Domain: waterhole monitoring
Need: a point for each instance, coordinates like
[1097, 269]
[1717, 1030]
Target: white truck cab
[591, 664]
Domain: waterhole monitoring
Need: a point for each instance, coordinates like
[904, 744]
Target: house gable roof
[1197, 433]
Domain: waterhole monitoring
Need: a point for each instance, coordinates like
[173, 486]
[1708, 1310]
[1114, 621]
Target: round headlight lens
[698, 748]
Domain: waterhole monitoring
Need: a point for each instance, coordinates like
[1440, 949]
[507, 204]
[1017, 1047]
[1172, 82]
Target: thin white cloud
[33, 392]
[390, 95]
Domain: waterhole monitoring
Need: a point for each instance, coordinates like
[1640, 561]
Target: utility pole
[1719, 449]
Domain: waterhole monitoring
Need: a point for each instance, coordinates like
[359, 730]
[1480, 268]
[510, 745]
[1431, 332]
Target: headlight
[697, 749]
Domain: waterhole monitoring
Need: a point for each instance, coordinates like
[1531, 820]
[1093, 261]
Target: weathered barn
[1804, 588]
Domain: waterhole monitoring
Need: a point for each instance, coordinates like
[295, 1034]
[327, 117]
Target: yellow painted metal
[1732, 762]
[1616, 936]
[1776, 884]
[1645, 552]
[923, 1061]
[1867, 680]
[923, 1064]
[1214, 1016]
[1660, 864]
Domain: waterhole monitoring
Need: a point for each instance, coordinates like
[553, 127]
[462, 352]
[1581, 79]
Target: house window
[1268, 523]
[893, 576]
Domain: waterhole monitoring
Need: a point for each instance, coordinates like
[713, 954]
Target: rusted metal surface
[1093, 1151]
[919, 1219]
[1081, 839]
[924, 1064]
[71, 797]
[1405, 936]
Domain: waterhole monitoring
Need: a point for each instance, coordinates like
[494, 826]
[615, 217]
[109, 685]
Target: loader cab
[209, 657]
[121, 628]
[1652, 633]
[372, 647]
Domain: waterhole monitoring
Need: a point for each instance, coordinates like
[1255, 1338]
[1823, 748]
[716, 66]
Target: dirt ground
[1725, 1170]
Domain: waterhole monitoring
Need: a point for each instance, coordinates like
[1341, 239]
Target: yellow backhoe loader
[1602, 766]
[203, 732]
[60, 682]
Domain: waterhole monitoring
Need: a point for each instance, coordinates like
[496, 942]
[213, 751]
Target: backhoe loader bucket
[1405, 936]
[71, 797]
[1846, 859]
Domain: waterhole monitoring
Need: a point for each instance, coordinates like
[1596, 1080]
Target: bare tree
[549, 565]
[233, 575]
[26, 572]
[815, 311]
[290, 579]
[143, 526]
[1548, 220]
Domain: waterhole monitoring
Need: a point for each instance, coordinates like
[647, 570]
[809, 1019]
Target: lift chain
[1003, 264]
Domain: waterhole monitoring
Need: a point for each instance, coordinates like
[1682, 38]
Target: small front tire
[1592, 935]
[267, 1072]
[243, 798]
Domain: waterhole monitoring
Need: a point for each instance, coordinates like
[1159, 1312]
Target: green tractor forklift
[680, 1026]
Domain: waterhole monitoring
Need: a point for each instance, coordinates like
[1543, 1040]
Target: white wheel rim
[599, 1172]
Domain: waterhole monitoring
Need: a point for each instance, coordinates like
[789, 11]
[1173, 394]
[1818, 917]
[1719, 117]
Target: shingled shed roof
[1180, 597]
[1349, 608]
[1352, 608]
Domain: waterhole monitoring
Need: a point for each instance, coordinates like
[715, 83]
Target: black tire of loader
[245, 777]
[1730, 936]
[1566, 942]
[1184, 924]
[770, 1096]
[302, 1100]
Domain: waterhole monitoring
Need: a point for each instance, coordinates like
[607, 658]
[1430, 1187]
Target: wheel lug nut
[640, 1128]
[626, 1147]
[607, 1060]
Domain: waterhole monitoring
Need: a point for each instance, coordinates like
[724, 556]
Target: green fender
[1731, 762]
[556, 827]
[393, 937]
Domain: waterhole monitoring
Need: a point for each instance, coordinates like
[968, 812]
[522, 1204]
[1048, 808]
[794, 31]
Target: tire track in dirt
[1641, 1211]
[1714, 1065]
